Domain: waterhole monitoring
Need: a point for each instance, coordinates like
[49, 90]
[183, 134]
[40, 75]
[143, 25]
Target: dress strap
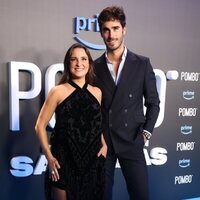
[76, 86]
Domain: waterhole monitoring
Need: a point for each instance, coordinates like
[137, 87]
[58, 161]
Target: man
[125, 78]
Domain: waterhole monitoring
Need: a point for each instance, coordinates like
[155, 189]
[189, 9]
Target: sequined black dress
[75, 142]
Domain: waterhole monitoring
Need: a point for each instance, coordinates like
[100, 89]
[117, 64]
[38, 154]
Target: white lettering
[41, 165]
[187, 112]
[183, 179]
[185, 146]
[161, 84]
[16, 95]
[158, 155]
[190, 76]
[21, 166]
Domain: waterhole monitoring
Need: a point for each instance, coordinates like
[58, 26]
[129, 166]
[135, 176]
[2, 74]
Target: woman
[78, 149]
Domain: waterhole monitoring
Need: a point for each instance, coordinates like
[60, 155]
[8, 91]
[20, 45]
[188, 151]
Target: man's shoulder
[100, 59]
[136, 56]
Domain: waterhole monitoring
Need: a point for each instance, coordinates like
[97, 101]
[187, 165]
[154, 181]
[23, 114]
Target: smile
[79, 69]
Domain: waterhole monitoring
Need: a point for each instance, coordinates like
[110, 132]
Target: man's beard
[110, 48]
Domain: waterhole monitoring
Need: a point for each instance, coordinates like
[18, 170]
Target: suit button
[125, 110]
[110, 125]
[125, 124]
[110, 111]
[130, 95]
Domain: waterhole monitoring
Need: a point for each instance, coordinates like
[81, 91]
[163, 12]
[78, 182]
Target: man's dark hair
[110, 14]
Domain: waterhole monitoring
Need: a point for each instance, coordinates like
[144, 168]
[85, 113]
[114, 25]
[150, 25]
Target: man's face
[113, 33]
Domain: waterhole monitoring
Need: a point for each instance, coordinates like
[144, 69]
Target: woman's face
[79, 63]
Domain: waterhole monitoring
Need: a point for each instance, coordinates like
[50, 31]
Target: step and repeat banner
[34, 37]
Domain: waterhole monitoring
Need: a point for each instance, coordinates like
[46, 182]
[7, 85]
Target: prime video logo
[84, 24]
[184, 163]
[188, 95]
[186, 129]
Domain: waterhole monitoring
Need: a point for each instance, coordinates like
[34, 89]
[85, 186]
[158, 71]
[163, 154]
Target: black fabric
[75, 142]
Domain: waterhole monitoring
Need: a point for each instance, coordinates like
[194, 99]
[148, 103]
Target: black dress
[75, 142]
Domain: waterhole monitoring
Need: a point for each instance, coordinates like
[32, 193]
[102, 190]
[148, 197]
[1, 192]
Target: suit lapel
[127, 74]
[105, 75]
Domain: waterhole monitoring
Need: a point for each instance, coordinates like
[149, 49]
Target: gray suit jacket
[122, 105]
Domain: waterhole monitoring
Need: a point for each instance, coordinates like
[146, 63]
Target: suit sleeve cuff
[147, 134]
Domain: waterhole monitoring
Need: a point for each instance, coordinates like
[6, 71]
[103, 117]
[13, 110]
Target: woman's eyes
[76, 59]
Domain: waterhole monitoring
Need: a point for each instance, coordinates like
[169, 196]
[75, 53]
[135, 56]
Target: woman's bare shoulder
[60, 92]
[96, 92]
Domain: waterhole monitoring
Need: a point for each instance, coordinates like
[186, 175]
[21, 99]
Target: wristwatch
[147, 135]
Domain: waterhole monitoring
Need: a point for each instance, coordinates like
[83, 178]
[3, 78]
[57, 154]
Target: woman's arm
[44, 117]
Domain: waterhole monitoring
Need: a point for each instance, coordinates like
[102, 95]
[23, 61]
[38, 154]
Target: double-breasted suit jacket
[122, 104]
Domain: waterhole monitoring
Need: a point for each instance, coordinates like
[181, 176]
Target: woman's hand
[104, 148]
[53, 168]
[103, 151]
